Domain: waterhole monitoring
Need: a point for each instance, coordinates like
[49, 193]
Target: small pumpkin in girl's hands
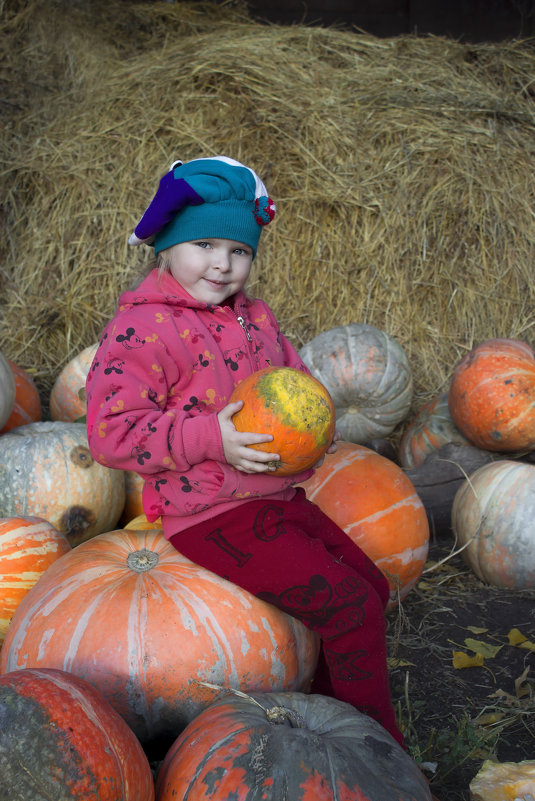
[292, 406]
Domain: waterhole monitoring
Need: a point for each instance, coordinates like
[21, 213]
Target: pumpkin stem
[142, 560]
[281, 714]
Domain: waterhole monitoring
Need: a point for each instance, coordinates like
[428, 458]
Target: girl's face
[211, 270]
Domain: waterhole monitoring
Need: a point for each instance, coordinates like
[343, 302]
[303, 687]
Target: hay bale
[402, 169]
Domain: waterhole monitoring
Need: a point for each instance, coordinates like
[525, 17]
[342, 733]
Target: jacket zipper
[242, 323]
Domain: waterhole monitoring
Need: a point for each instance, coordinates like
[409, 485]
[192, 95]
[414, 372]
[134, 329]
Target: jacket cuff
[201, 438]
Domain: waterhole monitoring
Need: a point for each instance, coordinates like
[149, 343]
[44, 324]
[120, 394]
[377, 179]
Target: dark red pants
[291, 555]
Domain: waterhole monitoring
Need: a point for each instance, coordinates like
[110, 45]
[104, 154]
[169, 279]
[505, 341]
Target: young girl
[158, 393]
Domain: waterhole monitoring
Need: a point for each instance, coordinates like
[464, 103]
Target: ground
[456, 717]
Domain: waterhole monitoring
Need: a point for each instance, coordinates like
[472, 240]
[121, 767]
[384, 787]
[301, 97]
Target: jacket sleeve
[132, 423]
[290, 356]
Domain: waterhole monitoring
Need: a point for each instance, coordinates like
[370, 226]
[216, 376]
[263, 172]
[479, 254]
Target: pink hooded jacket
[165, 366]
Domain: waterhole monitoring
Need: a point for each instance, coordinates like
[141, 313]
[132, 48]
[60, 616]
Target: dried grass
[402, 169]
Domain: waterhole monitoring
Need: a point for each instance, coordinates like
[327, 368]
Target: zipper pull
[242, 323]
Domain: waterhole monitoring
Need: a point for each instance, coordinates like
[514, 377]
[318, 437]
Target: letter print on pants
[291, 555]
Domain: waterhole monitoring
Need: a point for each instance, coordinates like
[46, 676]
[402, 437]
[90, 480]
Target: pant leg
[265, 548]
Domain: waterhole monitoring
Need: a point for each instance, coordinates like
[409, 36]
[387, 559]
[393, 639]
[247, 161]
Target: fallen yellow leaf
[515, 637]
[484, 648]
[476, 630]
[462, 660]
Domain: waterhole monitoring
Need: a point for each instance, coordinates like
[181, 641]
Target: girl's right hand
[235, 444]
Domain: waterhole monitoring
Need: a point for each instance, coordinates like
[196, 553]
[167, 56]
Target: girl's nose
[222, 260]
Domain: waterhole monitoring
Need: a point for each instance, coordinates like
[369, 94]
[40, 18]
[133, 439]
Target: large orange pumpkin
[27, 406]
[60, 739]
[144, 625]
[492, 395]
[368, 375]
[432, 428]
[287, 746]
[28, 546]
[492, 518]
[46, 470]
[292, 406]
[376, 504]
[67, 397]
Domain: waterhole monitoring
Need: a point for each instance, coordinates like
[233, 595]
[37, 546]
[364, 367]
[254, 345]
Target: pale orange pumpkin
[67, 397]
[7, 390]
[492, 395]
[376, 504]
[146, 627]
[46, 470]
[27, 406]
[28, 546]
[292, 406]
[368, 376]
[492, 519]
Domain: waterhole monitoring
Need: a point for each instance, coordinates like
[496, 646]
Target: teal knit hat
[212, 198]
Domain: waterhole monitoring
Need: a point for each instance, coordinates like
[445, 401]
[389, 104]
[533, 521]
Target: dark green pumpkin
[273, 746]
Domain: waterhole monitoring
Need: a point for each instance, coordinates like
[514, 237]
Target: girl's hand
[235, 443]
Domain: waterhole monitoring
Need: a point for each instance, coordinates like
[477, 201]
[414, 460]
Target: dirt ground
[455, 718]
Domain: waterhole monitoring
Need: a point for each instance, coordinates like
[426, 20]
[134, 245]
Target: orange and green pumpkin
[60, 739]
[128, 613]
[27, 406]
[28, 546]
[376, 504]
[46, 470]
[67, 397]
[291, 746]
[292, 406]
[492, 395]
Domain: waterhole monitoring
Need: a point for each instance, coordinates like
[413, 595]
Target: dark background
[465, 20]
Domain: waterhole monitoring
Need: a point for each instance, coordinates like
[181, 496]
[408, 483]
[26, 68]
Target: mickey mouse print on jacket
[166, 365]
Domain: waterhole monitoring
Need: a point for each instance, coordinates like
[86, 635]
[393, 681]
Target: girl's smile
[211, 270]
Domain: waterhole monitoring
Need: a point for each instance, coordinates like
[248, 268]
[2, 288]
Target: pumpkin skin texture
[376, 505]
[292, 406]
[432, 428]
[287, 745]
[492, 395]
[133, 500]
[7, 390]
[46, 470]
[27, 406]
[28, 546]
[61, 740]
[368, 375]
[67, 397]
[492, 516]
[144, 625]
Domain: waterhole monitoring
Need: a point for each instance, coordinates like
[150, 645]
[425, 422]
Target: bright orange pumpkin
[67, 397]
[292, 406]
[144, 625]
[27, 406]
[432, 428]
[141, 523]
[376, 504]
[28, 546]
[492, 395]
[46, 470]
[62, 740]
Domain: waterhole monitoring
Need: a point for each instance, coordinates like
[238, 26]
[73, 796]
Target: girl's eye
[203, 244]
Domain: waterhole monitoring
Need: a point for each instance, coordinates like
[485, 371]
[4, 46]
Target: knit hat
[211, 198]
